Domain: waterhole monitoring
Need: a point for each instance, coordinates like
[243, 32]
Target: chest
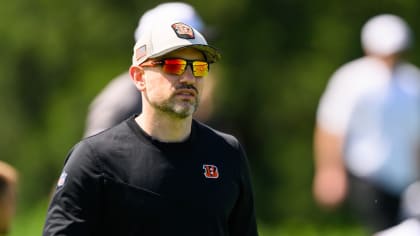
[149, 184]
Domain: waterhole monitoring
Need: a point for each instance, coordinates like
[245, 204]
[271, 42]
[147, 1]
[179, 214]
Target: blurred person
[8, 192]
[410, 200]
[367, 131]
[410, 208]
[409, 227]
[120, 98]
[160, 172]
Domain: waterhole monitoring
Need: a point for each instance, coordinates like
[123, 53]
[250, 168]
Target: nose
[188, 76]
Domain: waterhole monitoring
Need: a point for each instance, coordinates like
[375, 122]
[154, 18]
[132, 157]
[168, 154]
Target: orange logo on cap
[211, 171]
[183, 31]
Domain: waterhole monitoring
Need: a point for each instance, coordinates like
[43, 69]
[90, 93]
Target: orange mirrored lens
[178, 67]
[174, 66]
[200, 68]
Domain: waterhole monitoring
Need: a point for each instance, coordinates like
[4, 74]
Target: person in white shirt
[367, 133]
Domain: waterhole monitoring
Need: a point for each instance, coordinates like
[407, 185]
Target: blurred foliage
[277, 58]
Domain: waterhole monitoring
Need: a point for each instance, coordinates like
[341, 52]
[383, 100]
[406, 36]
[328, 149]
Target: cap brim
[212, 54]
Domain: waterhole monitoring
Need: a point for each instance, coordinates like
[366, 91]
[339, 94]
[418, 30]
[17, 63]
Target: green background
[55, 56]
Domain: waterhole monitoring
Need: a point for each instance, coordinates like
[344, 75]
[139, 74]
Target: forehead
[186, 53]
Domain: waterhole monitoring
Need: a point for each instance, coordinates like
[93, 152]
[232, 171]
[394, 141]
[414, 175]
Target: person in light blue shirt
[367, 137]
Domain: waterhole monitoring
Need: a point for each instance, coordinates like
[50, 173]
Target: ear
[137, 75]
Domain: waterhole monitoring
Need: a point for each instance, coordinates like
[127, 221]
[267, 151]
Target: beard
[175, 107]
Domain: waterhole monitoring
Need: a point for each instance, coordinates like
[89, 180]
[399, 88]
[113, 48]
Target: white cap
[171, 11]
[386, 34]
[164, 37]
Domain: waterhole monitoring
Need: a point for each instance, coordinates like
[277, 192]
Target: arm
[8, 192]
[330, 180]
[333, 113]
[75, 206]
[242, 220]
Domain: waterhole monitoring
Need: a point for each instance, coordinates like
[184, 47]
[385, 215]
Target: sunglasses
[177, 66]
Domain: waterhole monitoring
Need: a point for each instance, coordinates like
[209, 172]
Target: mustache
[186, 86]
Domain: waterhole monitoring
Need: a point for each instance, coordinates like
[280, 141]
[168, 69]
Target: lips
[186, 92]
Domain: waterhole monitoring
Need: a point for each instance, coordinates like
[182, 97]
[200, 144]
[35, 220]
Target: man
[8, 189]
[120, 99]
[161, 172]
[368, 128]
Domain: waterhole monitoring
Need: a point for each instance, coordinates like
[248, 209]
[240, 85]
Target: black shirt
[124, 182]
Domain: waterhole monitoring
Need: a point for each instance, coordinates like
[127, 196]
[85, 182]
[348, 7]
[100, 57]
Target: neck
[389, 60]
[164, 127]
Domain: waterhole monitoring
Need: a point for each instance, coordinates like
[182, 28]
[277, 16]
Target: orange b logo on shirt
[211, 171]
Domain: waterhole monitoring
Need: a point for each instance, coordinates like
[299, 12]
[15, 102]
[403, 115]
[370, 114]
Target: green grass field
[29, 222]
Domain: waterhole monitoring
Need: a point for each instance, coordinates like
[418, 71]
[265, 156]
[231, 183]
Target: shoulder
[408, 77]
[95, 150]
[212, 135]
[358, 68]
[110, 139]
[355, 77]
[408, 69]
